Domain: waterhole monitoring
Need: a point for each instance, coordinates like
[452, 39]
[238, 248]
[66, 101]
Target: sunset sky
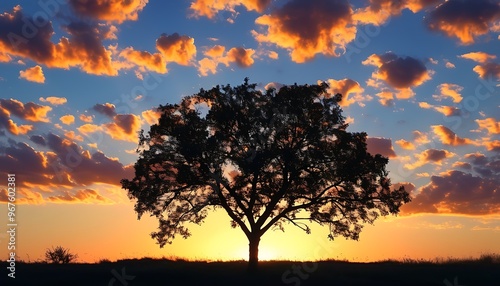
[79, 79]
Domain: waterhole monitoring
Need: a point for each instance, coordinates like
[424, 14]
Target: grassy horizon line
[486, 258]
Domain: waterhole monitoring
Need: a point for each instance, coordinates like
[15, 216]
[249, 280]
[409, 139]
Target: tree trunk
[253, 258]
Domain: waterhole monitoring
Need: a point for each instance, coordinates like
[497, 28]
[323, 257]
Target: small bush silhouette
[59, 255]
[104, 260]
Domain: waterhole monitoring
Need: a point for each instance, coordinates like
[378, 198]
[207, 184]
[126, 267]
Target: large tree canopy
[267, 158]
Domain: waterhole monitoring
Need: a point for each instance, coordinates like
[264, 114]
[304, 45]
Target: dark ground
[165, 272]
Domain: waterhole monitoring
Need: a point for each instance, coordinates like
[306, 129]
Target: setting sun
[265, 254]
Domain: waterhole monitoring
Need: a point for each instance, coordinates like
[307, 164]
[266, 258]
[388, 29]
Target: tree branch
[306, 228]
[230, 211]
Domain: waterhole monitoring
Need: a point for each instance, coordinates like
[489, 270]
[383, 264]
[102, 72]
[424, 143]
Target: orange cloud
[107, 109]
[4, 58]
[72, 136]
[21, 129]
[274, 85]
[449, 90]
[83, 48]
[176, 48]
[420, 138]
[216, 55]
[423, 175]
[65, 165]
[15, 157]
[346, 87]
[379, 11]
[124, 127]
[443, 109]
[457, 192]
[307, 28]
[448, 137]
[54, 100]
[88, 128]
[382, 146]
[487, 70]
[462, 165]
[33, 74]
[424, 105]
[405, 144]
[206, 66]
[464, 19]
[29, 111]
[92, 145]
[349, 120]
[210, 8]
[109, 10]
[241, 56]
[8, 124]
[209, 64]
[151, 116]
[86, 118]
[272, 55]
[429, 156]
[449, 65]
[398, 72]
[171, 48]
[386, 98]
[154, 62]
[489, 124]
[486, 65]
[479, 57]
[25, 196]
[477, 159]
[448, 110]
[492, 145]
[67, 119]
[80, 196]
[216, 51]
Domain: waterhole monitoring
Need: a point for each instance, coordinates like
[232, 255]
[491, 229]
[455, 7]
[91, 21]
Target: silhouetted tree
[265, 157]
[59, 255]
